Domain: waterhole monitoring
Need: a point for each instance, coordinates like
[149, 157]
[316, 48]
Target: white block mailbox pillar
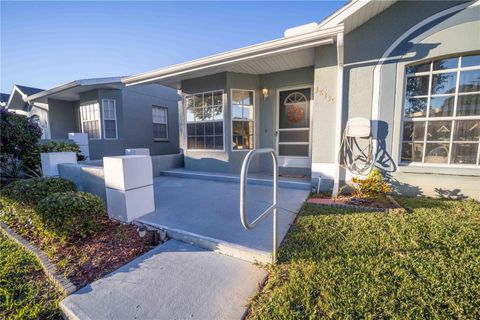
[82, 140]
[137, 151]
[129, 186]
[51, 160]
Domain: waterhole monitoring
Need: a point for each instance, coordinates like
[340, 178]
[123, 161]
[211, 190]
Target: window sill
[161, 140]
[456, 170]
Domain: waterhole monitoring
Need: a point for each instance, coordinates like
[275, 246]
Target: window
[160, 123]
[441, 121]
[90, 120]
[205, 120]
[243, 114]
[109, 119]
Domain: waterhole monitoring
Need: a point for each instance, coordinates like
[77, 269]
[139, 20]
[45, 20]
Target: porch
[203, 208]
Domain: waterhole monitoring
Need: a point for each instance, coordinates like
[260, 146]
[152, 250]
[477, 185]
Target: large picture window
[205, 120]
[243, 113]
[90, 120]
[160, 123]
[441, 119]
[109, 119]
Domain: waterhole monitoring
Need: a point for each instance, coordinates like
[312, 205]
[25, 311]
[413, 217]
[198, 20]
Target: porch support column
[339, 113]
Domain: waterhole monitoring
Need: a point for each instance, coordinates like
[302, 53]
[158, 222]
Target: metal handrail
[273, 207]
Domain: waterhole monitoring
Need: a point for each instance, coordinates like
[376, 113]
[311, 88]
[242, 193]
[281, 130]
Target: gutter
[76, 83]
[315, 38]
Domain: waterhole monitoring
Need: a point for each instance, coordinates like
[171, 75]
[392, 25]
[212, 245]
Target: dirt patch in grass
[380, 202]
[83, 260]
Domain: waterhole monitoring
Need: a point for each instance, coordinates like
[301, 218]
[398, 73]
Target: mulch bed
[350, 200]
[83, 260]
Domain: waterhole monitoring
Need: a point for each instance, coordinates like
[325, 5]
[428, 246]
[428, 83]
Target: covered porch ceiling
[287, 53]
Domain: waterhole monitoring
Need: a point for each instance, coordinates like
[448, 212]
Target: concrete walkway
[174, 281]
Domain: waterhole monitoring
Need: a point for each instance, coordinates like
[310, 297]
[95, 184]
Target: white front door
[294, 123]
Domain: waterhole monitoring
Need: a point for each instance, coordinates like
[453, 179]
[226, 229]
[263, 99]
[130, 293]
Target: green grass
[345, 265]
[25, 292]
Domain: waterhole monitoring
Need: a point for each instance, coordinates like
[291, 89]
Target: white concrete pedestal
[81, 139]
[129, 186]
[50, 161]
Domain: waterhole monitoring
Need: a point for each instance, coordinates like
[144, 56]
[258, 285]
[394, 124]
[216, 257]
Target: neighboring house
[412, 67]
[115, 117]
[18, 103]
[4, 99]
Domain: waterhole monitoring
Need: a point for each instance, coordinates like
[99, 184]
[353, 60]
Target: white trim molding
[338, 113]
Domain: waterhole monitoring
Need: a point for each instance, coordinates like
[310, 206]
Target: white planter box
[82, 140]
[127, 172]
[137, 151]
[131, 204]
[51, 160]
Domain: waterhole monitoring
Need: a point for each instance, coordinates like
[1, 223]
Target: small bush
[32, 163]
[18, 139]
[29, 192]
[370, 187]
[70, 214]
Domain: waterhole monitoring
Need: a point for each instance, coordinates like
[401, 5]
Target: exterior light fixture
[265, 93]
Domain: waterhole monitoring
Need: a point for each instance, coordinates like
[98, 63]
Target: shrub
[19, 138]
[29, 192]
[371, 186]
[69, 214]
[32, 163]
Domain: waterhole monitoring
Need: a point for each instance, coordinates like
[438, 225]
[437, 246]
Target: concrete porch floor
[206, 213]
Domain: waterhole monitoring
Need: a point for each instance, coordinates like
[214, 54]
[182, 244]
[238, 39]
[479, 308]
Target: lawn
[347, 265]
[25, 292]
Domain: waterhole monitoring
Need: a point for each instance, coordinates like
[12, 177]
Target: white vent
[304, 28]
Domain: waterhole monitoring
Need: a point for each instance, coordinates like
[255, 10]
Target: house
[17, 102]
[411, 67]
[110, 113]
[4, 99]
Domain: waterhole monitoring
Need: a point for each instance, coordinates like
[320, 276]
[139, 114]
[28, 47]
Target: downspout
[338, 113]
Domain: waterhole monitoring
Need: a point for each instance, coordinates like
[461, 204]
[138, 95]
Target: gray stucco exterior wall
[228, 160]
[453, 34]
[134, 119]
[62, 118]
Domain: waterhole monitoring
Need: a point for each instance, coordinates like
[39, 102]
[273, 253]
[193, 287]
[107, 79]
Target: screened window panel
[109, 118]
[90, 120]
[160, 122]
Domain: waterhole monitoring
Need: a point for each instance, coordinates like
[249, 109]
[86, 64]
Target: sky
[45, 44]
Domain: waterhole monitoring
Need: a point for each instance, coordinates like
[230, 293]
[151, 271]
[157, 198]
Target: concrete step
[215, 245]
[266, 181]
[176, 280]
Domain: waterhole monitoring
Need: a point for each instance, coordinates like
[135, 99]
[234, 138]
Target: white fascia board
[15, 88]
[343, 13]
[76, 83]
[318, 37]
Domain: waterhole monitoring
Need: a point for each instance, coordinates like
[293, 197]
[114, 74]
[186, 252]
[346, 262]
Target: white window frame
[185, 96]
[427, 117]
[166, 123]
[82, 121]
[243, 120]
[104, 119]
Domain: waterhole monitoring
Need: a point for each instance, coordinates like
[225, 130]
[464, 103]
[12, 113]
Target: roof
[28, 90]
[70, 91]
[4, 98]
[294, 50]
